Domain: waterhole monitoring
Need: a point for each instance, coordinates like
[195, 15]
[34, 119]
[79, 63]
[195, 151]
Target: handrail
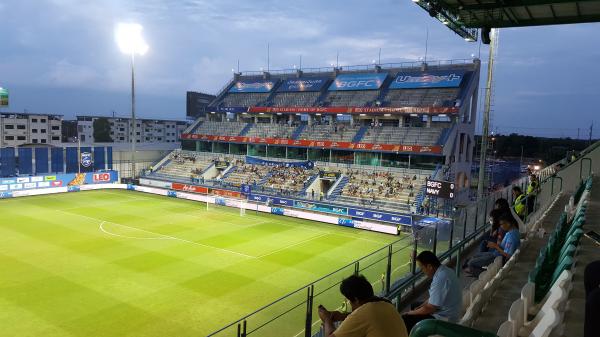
[308, 285]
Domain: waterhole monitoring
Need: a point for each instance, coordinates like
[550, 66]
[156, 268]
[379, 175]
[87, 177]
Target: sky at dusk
[60, 56]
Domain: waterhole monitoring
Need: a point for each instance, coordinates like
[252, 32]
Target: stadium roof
[465, 16]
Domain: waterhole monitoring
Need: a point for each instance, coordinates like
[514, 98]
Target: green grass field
[119, 263]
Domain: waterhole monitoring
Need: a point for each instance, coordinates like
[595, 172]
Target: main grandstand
[359, 136]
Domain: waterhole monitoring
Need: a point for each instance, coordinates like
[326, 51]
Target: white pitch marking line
[166, 236]
[184, 240]
[126, 236]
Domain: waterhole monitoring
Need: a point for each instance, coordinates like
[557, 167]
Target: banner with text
[355, 110]
[252, 86]
[308, 84]
[189, 188]
[430, 79]
[324, 144]
[59, 180]
[365, 81]
[258, 161]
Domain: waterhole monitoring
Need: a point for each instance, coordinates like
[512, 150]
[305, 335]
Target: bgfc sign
[440, 189]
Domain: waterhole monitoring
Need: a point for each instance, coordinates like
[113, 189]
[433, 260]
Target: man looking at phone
[371, 316]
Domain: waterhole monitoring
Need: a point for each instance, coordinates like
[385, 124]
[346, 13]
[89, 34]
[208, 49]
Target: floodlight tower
[130, 41]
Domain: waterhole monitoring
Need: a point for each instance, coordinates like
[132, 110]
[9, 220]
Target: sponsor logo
[29, 185]
[56, 183]
[43, 184]
[3, 187]
[22, 180]
[425, 149]
[49, 178]
[432, 79]
[5, 195]
[9, 181]
[86, 159]
[101, 177]
[36, 179]
[16, 186]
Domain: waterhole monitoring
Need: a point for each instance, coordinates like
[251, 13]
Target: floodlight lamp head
[130, 40]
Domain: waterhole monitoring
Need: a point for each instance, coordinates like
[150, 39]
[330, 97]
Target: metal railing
[391, 269]
[362, 67]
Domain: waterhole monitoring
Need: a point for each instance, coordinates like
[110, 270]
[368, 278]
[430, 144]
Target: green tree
[102, 130]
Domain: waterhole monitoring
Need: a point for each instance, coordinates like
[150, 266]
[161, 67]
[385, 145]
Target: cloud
[67, 74]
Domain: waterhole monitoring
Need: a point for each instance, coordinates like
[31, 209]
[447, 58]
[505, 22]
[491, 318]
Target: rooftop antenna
[238, 66]
[300, 61]
[268, 57]
[379, 59]
[337, 59]
[426, 44]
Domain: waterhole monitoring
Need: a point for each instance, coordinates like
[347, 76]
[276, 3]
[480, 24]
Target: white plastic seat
[557, 298]
[517, 315]
[466, 301]
[545, 326]
[475, 289]
[527, 295]
[506, 329]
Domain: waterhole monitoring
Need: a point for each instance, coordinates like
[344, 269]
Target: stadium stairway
[587, 252]
[443, 136]
[246, 129]
[229, 171]
[338, 189]
[298, 131]
[360, 134]
[500, 302]
[307, 185]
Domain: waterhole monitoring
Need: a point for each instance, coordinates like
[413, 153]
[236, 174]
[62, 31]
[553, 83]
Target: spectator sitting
[371, 316]
[496, 233]
[510, 243]
[445, 293]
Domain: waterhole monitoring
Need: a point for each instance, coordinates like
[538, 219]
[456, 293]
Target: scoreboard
[440, 189]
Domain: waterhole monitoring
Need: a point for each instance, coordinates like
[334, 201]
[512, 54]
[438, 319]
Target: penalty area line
[163, 235]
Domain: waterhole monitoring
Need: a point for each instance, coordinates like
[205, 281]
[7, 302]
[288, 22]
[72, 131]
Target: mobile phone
[593, 236]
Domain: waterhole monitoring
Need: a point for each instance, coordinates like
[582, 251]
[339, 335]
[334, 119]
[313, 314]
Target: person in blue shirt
[510, 243]
[445, 293]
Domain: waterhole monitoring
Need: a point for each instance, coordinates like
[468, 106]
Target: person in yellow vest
[519, 204]
[532, 191]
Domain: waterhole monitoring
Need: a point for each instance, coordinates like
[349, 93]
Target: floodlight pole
[133, 124]
[486, 113]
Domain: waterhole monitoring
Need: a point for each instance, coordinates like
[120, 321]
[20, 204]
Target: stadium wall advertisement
[258, 161]
[219, 200]
[431, 79]
[252, 86]
[366, 81]
[355, 110]
[309, 84]
[58, 180]
[325, 144]
[356, 214]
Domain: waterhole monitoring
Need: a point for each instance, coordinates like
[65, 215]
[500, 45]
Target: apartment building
[17, 129]
[147, 130]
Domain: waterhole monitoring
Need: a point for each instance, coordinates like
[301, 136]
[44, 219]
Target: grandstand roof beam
[507, 3]
[539, 22]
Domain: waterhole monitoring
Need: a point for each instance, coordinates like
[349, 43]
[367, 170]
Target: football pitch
[120, 263]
